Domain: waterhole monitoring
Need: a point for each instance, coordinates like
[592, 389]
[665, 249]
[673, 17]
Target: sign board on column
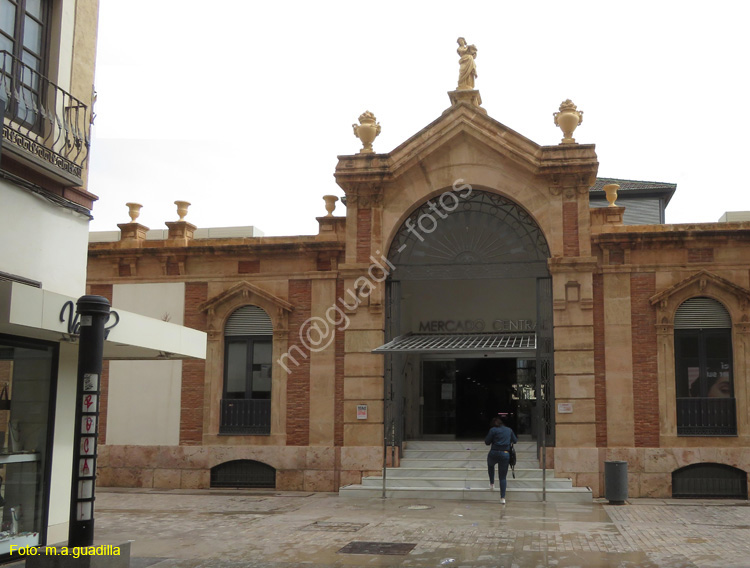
[361, 412]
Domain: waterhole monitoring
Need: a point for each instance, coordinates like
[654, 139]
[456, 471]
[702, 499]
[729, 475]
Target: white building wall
[67, 30]
[144, 396]
[63, 436]
[49, 245]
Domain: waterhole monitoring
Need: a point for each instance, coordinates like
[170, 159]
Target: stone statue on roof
[467, 70]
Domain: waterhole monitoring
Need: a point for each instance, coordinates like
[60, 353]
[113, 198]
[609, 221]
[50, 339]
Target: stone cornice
[677, 235]
[157, 248]
[259, 277]
[669, 267]
[560, 264]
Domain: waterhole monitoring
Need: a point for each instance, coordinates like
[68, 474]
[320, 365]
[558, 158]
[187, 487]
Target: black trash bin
[616, 482]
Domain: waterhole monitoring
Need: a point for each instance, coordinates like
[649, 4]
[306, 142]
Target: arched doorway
[468, 320]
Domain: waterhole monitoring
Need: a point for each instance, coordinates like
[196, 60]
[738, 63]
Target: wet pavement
[220, 528]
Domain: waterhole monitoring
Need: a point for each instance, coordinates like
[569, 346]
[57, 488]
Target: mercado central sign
[476, 325]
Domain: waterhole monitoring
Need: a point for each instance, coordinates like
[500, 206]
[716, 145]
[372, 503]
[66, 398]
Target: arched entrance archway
[468, 319]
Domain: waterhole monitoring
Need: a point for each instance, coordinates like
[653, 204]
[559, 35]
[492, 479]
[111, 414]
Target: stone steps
[477, 482]
[458, 470]
[462, 472]
[528, 494]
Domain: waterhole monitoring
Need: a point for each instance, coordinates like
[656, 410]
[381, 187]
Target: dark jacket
[501, 438]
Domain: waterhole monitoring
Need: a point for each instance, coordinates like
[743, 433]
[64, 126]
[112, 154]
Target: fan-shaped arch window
[703, 368]
[248, 354]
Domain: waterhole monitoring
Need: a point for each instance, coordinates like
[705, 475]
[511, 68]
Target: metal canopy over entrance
[462, 343]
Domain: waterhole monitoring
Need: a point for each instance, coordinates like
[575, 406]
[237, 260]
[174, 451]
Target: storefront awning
[464, 343]
[37, 313]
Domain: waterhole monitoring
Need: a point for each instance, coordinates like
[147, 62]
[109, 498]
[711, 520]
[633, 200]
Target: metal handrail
[43, 119]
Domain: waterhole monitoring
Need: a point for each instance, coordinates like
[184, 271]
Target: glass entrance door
[438, 398]
[459, 397]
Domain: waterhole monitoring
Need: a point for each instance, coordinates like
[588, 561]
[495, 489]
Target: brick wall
[104, 290]
[364, 229]
[298, 381]
[248, 267]
[600, 369]
[570, 229]
[193, 370]
[645, 387]
[700, 255]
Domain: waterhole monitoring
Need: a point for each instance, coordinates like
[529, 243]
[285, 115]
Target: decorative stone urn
[366, 131]
[568, 120]
[610, 190]
[182, 208]
[134, 210]
[330, 204]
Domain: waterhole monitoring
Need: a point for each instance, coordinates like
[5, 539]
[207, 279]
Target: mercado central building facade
[473, 273]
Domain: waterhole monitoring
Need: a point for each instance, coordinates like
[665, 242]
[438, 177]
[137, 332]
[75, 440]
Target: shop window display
[26, 382]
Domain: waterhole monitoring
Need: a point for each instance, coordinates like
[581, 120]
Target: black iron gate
[545, 374]
[393, 384]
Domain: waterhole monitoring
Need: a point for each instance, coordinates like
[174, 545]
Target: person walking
[499, 438]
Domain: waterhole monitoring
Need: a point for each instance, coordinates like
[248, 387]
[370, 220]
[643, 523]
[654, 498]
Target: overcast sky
[242, 107]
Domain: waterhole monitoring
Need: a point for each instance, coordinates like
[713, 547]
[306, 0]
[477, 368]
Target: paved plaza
[221, 528]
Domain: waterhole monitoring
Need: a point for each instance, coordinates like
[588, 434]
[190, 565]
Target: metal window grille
[709, 480]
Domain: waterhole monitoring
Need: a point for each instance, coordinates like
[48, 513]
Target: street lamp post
[93, 312]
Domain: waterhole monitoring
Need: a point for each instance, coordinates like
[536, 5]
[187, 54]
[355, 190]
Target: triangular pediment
[244, 290]
[465, 123]
[460, 136]
[702, 282]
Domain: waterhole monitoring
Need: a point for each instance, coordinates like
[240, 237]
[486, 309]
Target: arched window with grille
[703, 369]
[248, 355]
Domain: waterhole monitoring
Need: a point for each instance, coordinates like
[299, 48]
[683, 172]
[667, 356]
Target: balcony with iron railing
[246, 416]
[706, 416]
[44, 127]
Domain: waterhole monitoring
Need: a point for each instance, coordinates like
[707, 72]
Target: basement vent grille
[243, 473]
[709, 481]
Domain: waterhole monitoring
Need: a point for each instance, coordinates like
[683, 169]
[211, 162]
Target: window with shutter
[248, 355]
[703, 369]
